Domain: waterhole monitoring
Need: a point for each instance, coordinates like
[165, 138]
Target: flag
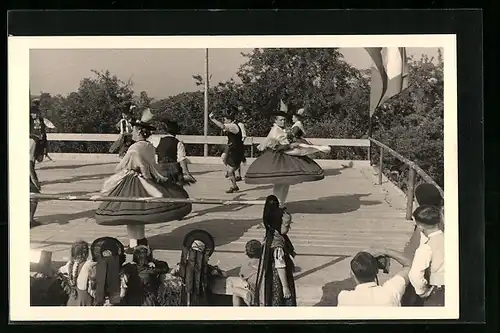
[389, 74]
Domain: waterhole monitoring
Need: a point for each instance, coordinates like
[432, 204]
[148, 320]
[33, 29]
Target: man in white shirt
[368, 292]
[427, 269]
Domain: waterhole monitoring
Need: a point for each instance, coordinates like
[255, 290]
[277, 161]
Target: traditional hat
[283, 110]
[196, 237]
[300, 112]
[428, 194]
[106, 246]
[171, 125]
[147, 115]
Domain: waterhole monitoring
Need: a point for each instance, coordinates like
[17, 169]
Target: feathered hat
[146, 117]
[301, 113]
[283, 110]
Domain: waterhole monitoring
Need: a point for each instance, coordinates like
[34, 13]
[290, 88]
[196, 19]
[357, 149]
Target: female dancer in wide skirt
[137, 176]
[284, 163]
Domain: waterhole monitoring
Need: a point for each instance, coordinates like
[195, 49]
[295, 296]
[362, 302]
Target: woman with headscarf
[109, 256]
[137, 175]
[284, 163]
[275, 284]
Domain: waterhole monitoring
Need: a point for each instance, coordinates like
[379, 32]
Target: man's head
[427, 217]
[364, 268]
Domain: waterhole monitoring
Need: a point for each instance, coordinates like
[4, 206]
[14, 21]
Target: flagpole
[205, 120]
[369, 136]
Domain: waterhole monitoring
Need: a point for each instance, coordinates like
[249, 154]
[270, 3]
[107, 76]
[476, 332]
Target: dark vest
[235, 140]
[37, 128]
[167, 150]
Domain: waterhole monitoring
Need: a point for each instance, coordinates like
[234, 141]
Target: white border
[18, 85]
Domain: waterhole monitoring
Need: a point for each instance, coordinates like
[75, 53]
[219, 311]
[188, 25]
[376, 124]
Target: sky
[159, 72]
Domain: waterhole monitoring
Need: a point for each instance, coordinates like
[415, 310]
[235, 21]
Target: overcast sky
[160, 72]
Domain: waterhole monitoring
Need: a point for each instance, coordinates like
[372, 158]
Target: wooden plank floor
[333, 219]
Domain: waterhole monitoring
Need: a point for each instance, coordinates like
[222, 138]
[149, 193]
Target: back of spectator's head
[427, 215]
[364, 267]
[253, 249]
[80, 250]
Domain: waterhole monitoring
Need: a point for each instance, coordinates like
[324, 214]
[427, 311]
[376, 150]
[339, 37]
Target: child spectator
[427, 269]
[76, 282]
[244, 288]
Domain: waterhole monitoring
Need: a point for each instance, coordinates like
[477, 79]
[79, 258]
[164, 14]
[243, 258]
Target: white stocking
[281, 192]
[135, 232]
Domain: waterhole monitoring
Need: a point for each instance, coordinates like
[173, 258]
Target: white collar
[366, 285]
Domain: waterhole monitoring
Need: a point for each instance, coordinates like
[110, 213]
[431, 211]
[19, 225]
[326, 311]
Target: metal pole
[46, 196]
[205, 121]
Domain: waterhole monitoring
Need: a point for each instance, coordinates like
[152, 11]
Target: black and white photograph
[238, 172]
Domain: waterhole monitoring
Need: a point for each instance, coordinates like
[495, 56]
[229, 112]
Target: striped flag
[389, 74]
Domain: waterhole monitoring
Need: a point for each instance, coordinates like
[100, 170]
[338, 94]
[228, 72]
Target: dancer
[226, 149]
[125, 127]
[37, 136]
[235, 146]
[137, 176]
[275, 284]
[284, 163]
[297, 131]
[172, 160]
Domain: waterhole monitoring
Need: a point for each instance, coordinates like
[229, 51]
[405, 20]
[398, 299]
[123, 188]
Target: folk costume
[78, 282]
[108, 254]
[137, 175]
[235, 150]
[38, 139]
[125, 127]
[143, 278]
[172, 160]
[284, 163]
[277, 253]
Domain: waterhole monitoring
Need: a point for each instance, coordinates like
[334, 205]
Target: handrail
[414, 168]
[200, 139]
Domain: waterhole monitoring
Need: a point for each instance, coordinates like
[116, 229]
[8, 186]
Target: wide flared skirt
[274, 167]
[140, 213]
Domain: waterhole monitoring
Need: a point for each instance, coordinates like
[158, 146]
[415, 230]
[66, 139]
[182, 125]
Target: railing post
[251, 147]
[380, 166]
[410, 193]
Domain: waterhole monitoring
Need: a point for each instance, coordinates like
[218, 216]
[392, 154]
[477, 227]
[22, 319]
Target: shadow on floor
[220, 208]
[258, 188]
[331, 205]
[100, 176]
[65, 218]
[331, 291]
[224, 232]
[72, 166]
[332, 172]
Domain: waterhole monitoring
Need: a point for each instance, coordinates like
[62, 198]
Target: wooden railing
[200, 139]
[413, 170]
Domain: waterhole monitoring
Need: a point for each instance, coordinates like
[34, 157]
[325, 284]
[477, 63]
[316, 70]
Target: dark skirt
[235, 155]
[436, 298]
[82, 298]
[140, 213]
[274, 167]
[277, 289]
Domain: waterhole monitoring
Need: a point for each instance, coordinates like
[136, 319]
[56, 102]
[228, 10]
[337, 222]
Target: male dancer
[224, 154]
[235, 147]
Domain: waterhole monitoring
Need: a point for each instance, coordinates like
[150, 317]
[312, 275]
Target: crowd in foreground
[99, 274]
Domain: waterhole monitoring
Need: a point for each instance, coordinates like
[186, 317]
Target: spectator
[76, 275]
[427, 269]
[244, 287]
[275, 284]
[368, 292]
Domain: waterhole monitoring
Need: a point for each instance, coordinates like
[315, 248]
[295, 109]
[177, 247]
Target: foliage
[334, 93]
